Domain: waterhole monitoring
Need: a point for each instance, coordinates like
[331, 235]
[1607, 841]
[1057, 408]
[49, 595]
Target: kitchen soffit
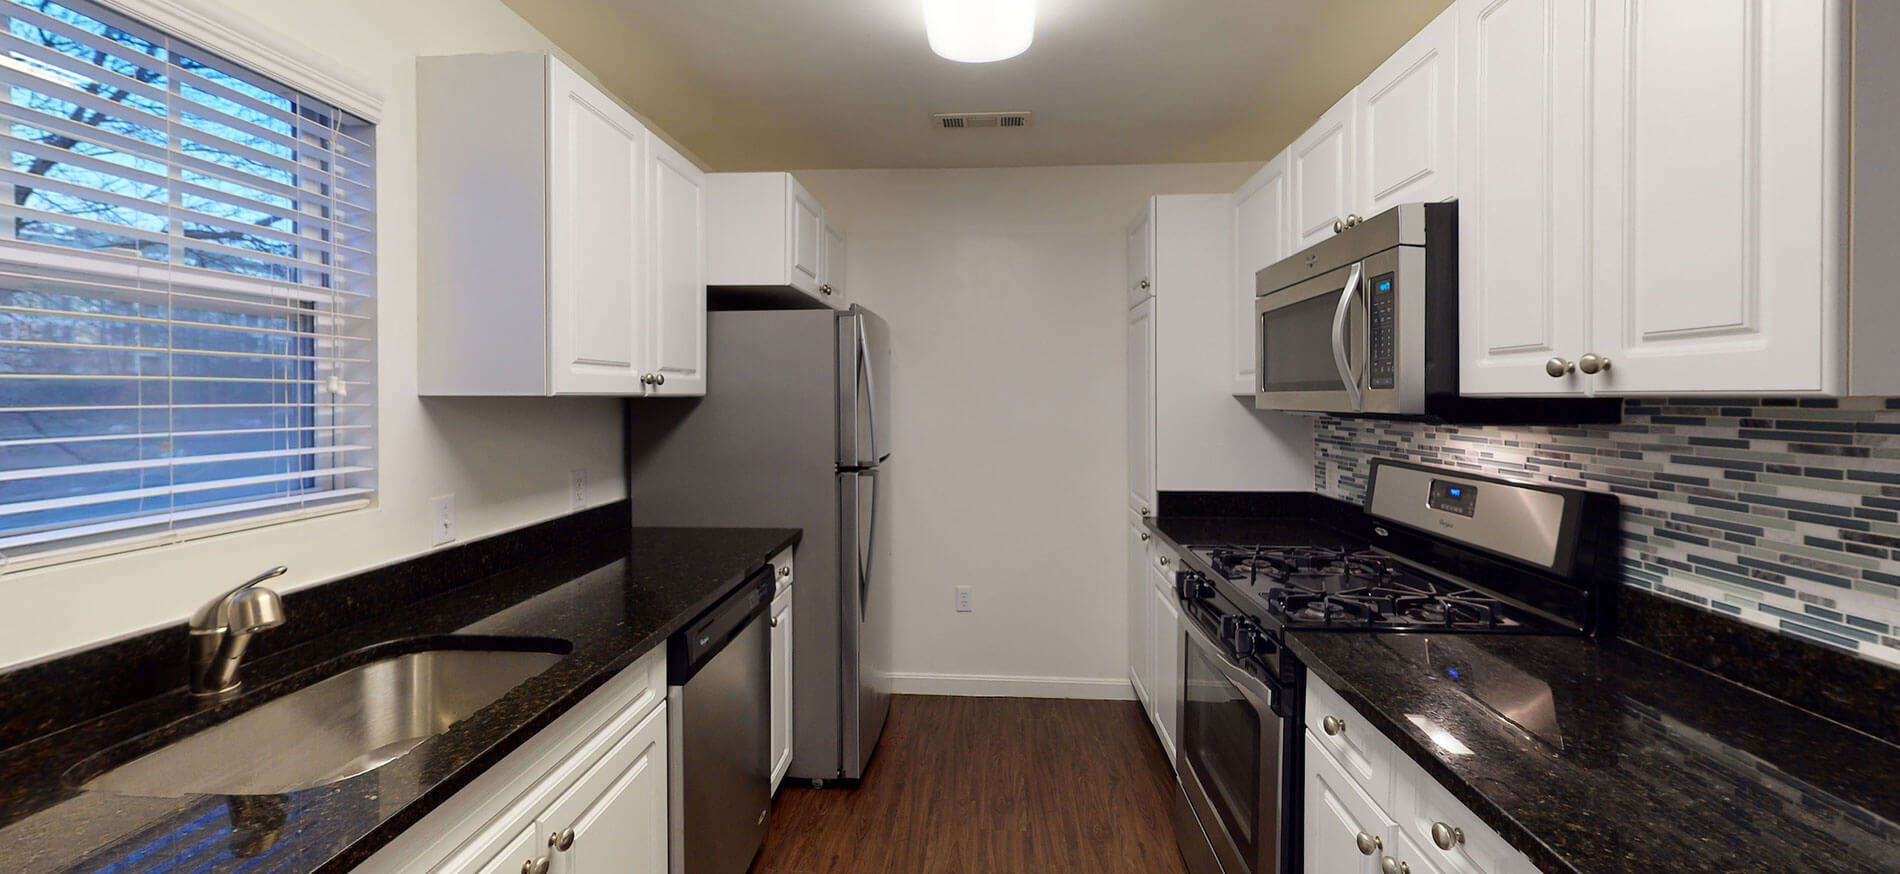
[849, 84]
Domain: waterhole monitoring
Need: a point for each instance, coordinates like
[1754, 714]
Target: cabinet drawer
[1420, 802]
[1366, 754]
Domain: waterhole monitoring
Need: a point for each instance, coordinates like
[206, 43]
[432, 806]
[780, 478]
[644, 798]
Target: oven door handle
[1341, 359]
[1258, 693]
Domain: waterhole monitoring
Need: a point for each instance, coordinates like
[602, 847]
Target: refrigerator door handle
[870, 391]
[869, 553]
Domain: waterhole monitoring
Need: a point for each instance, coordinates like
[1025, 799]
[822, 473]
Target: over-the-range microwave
[1365, 323]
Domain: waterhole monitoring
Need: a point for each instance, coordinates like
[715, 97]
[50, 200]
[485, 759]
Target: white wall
[1003, 289]
[506, 462]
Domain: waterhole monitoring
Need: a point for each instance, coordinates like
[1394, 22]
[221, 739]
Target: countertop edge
[1513, 832]
[402, 820]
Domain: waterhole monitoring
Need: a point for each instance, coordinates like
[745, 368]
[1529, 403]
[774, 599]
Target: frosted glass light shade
[980, 31]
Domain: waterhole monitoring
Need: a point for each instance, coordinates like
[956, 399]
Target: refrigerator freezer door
[866, 619]
[864, 356]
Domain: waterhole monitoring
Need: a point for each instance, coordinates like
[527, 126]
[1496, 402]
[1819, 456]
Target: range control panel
[1382, 338]
[1451, 497]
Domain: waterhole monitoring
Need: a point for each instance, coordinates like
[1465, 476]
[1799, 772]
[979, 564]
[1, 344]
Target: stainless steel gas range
[1434, 551]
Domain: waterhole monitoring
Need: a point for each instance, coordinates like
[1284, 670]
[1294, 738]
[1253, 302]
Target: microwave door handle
[1340, 358]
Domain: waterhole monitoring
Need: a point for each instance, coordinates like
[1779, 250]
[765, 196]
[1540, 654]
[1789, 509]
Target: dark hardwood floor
[990, 786]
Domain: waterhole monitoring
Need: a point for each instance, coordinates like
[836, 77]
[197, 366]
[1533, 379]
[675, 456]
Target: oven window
[1296, 346]
[1221, 733]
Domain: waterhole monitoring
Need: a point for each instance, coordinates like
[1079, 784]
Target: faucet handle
[253, 610]
[216, 614]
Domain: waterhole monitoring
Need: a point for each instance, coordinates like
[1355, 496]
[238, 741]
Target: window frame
[259, 49]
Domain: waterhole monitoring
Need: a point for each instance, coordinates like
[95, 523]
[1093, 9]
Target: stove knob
[1191, 586]
[1245, 638]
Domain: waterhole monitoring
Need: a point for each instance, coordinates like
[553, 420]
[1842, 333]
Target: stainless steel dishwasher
[719, 704]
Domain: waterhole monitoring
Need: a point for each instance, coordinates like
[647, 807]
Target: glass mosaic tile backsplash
[1782, 513]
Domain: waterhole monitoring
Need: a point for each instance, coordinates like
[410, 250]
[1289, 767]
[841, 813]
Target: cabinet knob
[646, 379]
[826, 288]
[1144, 512]
[1370, 843]
[773, 622]
[1333, 725]
[659, 379]
[1592, 362]
[1352, 221]
[1145, 537]
[784, 571]
[1164, 561]
[561, 840]
[1389, 865]
[1447, 836]
[1143, 284]
[1339, 225]
[535, 866]
[1559, 368]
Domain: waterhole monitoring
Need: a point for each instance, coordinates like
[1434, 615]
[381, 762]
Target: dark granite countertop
[1644, 764]
[1649, 765]
[603, 604]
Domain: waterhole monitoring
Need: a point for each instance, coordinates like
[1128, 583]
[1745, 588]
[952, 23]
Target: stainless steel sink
[331, 730]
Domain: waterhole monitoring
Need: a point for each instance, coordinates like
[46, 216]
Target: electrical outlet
[577, 488]
[963, 600]
[441, 520]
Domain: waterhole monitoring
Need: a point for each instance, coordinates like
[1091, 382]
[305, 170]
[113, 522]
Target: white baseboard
[997, 686]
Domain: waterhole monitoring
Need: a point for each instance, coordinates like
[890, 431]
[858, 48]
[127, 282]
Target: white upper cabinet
[831, 283]
[1141, 407]
[1262, 236]
[1719, 204]
[1320, 166]
[1141, 256]
[1522, 216]
[1406, 122]
[560, 251]
[679, 272]
[767, 236]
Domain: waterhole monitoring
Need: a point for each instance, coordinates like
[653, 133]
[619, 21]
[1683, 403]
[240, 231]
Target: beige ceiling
[825, 84]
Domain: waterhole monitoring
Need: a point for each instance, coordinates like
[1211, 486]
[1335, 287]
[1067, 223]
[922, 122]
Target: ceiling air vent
[962, 120]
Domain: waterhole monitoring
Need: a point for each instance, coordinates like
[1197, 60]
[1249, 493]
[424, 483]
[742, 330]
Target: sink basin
[331, 730]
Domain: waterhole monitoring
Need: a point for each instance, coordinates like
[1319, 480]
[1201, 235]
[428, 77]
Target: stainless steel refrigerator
[794, 431]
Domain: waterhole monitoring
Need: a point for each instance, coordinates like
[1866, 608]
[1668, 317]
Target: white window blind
[187, 281]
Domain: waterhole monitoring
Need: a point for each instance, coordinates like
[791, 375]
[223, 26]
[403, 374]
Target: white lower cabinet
[1370, 808]
[1167, 647]
[1140, 609]
[781, 671]
[1345, 830]
[587, 794]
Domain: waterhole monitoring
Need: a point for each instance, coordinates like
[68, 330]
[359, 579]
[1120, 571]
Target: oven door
[1310, 342]
[1229, 756]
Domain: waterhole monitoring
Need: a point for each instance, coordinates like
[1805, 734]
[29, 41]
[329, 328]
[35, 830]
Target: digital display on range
[1453, 497]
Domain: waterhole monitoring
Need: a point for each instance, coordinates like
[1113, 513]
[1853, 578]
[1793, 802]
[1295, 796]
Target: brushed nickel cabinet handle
[1333, 726]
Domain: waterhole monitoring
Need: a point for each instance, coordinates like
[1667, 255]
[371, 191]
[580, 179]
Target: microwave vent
[965, 120]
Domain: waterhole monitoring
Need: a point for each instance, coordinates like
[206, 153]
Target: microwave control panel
[1383, 336]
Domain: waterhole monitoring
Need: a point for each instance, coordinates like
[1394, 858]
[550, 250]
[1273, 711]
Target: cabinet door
[806, 246]
[1167, 649]
[678, 290]
[1338, 818]
[833, 287]
[1261, 237]
[1720, 143]
[1419, 803]
[1320, 167]
[781, 687]
[1141, 407]
[1523, 178]
[1406, 122]
[1136, 588]
[523, 849]
[1141, 243]
[597, 281]
[617, 810]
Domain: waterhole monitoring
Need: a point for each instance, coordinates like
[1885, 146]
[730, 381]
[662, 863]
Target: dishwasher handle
[692, 647]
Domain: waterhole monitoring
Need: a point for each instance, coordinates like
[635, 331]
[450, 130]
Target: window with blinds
[187, 280]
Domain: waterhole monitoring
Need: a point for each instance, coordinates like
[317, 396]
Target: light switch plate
[577, 489]
[441, 520]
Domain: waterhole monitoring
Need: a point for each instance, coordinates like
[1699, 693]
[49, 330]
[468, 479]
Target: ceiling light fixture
[980, 31]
